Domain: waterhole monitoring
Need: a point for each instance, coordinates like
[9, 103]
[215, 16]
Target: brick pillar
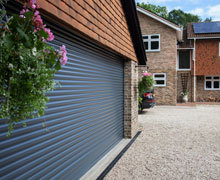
[130, 99]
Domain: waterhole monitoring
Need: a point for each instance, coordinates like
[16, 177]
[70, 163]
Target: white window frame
[149, 40]
[162, 78]
[212, 83]
[178, 60]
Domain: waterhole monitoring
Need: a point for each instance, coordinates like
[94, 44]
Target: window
[183, 60]
[160, 79]
[212, 83]
[152, 42]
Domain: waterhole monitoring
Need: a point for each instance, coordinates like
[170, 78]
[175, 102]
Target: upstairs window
[152, 42]
[183, 60]
[212, 83]
[160, 79]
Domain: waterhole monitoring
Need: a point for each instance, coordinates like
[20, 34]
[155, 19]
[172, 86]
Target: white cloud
[198, 11]
[214, 12]
[194, 1]
[210, 11]
[177, 7]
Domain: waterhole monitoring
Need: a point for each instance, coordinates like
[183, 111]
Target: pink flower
[146, 74]
[38, 22]
[36, 13]
[22, 12]
[50, 34]
[37, 6]
[32, 4]
[63, 53]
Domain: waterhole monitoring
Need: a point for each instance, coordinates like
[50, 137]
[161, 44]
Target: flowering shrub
[146, 82]
[27, 65]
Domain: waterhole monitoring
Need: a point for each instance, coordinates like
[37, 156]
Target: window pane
[216, 84]
[154, 45]
[160, 82]
[216, 77]
[155, 37]
[146, 45]
[145, 37]
[159, 75]
[208, 77]
[184, 59]
[208, 84]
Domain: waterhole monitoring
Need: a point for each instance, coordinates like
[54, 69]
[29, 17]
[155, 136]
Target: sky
[202, 8]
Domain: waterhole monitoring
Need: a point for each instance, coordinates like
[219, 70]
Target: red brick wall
[101, 20]
[207, 57]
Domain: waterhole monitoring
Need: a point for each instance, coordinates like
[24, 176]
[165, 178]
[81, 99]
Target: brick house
[96, 105]
[160, 37]
[199, 62]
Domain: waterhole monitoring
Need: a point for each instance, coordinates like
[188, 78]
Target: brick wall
[130, 99]
[101, 20]
[163, 61]
[207, 57]
[203, 95]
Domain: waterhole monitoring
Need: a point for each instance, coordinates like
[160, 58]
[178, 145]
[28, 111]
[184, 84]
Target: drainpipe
[194, 60]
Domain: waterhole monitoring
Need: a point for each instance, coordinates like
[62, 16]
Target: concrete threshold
[103, 163]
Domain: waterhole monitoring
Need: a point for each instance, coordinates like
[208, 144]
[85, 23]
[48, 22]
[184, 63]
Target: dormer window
[152, 42]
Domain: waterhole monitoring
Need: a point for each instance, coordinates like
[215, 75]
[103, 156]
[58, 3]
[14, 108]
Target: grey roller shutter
[84, 119]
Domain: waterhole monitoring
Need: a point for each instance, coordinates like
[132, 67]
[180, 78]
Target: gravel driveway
[176, 143]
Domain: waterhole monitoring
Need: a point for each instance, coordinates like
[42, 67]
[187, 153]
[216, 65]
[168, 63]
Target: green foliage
[146, 83]
[159, 10]
[2, 10]
[208, 19]
[27, 66]
[176, 16]
[184, 92]
[181, 18]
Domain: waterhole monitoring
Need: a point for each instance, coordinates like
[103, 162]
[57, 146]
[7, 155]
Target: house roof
[162, 20]
[135, 30]
[186, 43]
[93, 23]
[192, 35]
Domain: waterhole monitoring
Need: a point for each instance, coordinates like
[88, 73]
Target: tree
[208, 19]
[159, 10]
[176, 16]
[181, 18]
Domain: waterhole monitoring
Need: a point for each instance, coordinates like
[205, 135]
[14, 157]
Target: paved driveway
[176, 143]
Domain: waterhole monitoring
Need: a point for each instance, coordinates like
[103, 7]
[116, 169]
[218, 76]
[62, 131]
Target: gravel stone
[176, 143]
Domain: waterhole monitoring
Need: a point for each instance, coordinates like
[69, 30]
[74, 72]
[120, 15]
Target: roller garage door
[84, 119]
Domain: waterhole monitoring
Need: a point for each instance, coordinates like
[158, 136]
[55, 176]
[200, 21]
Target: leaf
[43, 34]
[24, 36]
[9, 41]
[58, 66]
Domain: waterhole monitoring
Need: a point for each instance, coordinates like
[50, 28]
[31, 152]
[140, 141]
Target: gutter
[179, 34]
[204, 37]
[194, 76]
